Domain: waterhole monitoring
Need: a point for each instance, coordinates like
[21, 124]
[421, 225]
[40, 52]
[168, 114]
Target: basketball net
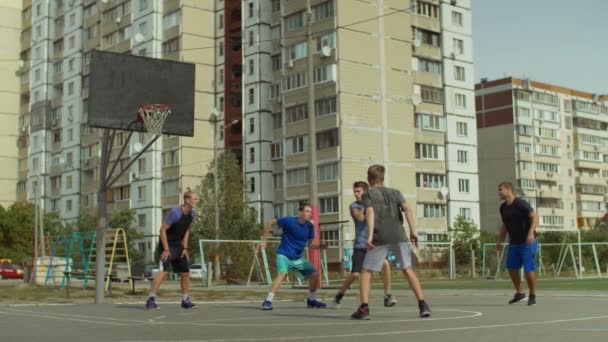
[153, 117]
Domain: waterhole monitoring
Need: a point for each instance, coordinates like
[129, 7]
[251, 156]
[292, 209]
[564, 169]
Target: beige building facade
[551, 142]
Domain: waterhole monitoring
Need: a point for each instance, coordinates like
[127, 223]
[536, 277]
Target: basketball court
[462, 315]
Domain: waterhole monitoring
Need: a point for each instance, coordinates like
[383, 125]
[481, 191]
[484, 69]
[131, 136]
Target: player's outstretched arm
[267, 230]
[409, 217]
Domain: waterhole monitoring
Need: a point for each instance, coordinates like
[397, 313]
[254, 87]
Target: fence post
[209, 273]
[473, 275]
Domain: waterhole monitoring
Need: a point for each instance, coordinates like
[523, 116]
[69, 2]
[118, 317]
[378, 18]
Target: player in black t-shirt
[518, 220]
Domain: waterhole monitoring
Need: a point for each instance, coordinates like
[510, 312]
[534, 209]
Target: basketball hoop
[153, 117]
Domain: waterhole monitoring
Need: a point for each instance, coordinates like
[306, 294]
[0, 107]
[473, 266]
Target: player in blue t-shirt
[357, 212]
[297, 232]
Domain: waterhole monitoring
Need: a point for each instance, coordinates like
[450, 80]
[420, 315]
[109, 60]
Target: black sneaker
[532, 299]
[518, 297]
[362, 313]
[337, 301]
[389, 301]
[425, 311]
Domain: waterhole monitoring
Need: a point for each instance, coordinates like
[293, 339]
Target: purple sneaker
[315, 304]
[187, 304]
[151, 304]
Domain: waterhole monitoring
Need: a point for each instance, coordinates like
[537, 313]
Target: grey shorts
[374, 259]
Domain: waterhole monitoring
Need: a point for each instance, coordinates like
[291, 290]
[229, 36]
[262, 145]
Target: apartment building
[10, 15]
[393, 85]
[59, 153]
[552, 142]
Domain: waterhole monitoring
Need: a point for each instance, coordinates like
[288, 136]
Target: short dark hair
[361, 184]
[303, 206]
[507, 185]
[375, 174]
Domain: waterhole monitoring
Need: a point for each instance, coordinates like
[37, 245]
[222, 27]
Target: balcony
[58, 78]
[590, 189]
[546, 176]
[549, 193]
[590, 180]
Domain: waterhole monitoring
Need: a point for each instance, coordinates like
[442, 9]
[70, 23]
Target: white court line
[36, 304]
[471, 314]
[586, 329]
[212, 302]
[317, 337]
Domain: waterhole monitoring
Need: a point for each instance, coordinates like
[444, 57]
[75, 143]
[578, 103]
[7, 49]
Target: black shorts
[357, 260]
[175, 263]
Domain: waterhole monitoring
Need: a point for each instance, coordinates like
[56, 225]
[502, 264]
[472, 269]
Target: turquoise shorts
[301, 265]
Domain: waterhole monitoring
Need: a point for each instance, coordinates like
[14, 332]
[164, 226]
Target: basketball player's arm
[267, 230]
[369, 216]
[533, 224]
[358, 214]
[163, 240]
[502, 234]
[409, 217]
[185, 245]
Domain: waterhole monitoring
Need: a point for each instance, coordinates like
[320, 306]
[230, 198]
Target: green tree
[236, 220]
[17, 231]
[465, 235]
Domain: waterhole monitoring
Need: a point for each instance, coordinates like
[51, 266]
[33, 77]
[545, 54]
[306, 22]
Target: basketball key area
[462, 315]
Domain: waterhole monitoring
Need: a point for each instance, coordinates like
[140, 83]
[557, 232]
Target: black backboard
[119, 83]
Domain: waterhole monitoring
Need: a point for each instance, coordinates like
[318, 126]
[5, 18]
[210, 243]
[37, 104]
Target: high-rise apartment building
[10, 16]
[393, 85]
[551, 142]
[59, 153]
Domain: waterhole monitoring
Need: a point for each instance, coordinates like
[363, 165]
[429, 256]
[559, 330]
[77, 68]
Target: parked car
[196, 271]
[10, 271]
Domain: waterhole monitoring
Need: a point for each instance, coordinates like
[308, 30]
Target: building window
[325, 106]
[251, 96]
[456, 18]
[277, 181]
[458, 46]
[431, 94]
[461, 101]
[171, 20]
[251, 67]
[250, 10]
[296, 113]
[426, 210]
[71, 42]
[220, 50]
[429, 151]
[297, 144]
[465, 212]
[251, 125]
[277, 120]
[327, 172]
[294, 21]
[430, 122]
[276, 151]
[68, 205]
[143, 4]
[141, 165]
[459, 73]
[429, 65]
[297, 176]
[327, 139]
[251, 184]
[329, 205]
[462, 129]
[171, 46]
[251, 155]
[426, 9]
[462, 157]
[251, 38]
[430, 181]
[426, 37]
[141, 192]
[220, 21]
[463, 185]
[275, 5]
[276, 62]
[277, 210]
[68, 182]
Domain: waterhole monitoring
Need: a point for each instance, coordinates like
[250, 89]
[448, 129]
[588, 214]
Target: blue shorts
[522, 255]
[303, 267]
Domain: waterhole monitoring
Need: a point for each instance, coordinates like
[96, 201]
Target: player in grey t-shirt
[357, 213]
[384, 208]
